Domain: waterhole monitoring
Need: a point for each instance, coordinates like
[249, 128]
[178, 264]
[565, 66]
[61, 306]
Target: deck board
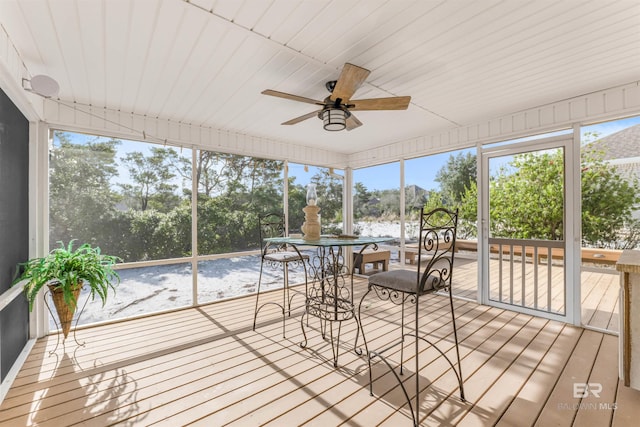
[480, 370]
[528, 401]
[206, 366]
[627, 402]
[501, 393]
[599, 410]
[561, 406]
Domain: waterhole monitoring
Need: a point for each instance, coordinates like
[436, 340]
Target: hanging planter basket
[66, 270]
[64, 310]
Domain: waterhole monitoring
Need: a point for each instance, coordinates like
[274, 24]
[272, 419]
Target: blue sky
[421, 171]
[608, 128]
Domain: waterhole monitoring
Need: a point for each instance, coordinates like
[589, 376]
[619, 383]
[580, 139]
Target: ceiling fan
[336, 112]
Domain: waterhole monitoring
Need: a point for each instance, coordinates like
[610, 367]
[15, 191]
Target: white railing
[524, 273]
[10, 294]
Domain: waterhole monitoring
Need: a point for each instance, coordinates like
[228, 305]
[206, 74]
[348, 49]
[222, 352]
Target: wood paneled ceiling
[205, 62]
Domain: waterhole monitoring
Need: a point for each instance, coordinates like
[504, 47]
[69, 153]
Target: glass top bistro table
[329, 296]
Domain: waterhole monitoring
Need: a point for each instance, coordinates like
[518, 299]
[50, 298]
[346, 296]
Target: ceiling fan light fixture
[335, 109]
[334, 119]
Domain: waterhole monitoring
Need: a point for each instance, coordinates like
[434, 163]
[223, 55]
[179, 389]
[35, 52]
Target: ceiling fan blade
[302, 118]
[349, 81]
[393, 103]
[291, 97]
[353, 122]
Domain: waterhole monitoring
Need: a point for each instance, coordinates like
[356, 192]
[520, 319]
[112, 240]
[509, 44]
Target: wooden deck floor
[205, 366]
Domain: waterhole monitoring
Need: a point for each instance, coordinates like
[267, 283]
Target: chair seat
[399, 280]
[285, 256]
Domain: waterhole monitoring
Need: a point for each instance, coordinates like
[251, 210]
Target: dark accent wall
[14, 227]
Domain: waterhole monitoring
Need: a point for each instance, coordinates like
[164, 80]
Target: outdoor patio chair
[278, 256]
[436, 250]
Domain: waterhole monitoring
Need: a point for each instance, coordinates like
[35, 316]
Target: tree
[608, 203]
[456, 176]
[223, 173]
[233, 191]
[468, 213]
[206, 172]
[390, 203]
[329, 190]
[158, 235]
[528, 202]
[415, 198]
[361, 199]
[151, 178]
[435, 200]
[297, 201]
[527, 198]
[81, 200]
[263, 183]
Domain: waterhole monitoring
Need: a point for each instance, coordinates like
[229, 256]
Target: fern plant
[67, 269]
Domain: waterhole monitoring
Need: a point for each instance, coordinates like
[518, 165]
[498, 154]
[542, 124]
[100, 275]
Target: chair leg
[364, 339]
[255, 312]
[417, 373]
[306, 283]
[402, 339]
[455, 337]
[373, 353]
[286, 287]
[285, 296]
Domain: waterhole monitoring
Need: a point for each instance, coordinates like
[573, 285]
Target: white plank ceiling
[205, 62]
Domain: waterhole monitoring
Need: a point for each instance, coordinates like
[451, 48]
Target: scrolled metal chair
[436, 248]
[276, 256]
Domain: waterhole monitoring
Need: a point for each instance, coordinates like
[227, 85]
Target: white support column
[482, 245]
[347, 212]
[573, 221]
[194, 227]
[403, 198]
[39, 140]
[285, 196]
[347, 201]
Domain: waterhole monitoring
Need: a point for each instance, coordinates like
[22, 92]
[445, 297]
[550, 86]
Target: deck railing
[525, 273]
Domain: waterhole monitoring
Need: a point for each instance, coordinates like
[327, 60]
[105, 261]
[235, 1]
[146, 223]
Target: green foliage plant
[609, 199]
[456, 176]
[67, 269]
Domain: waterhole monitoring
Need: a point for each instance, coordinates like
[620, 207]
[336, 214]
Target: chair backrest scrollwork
[271, 225]
[437, 243]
